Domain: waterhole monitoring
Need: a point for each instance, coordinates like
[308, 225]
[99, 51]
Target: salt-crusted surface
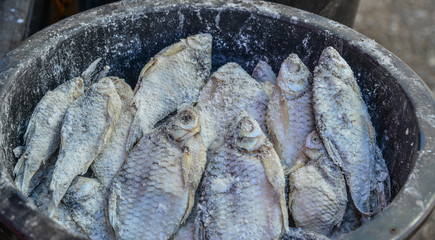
[155, 189]
[110, 160]
[290, 115]
[171, 78]
[243, 187]
[229, 91]
[344, 126]
[86, 128]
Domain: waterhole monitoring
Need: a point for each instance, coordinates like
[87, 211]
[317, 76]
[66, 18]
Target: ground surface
[406, 28]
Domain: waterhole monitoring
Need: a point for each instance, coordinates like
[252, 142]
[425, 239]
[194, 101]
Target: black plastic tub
[127, 34]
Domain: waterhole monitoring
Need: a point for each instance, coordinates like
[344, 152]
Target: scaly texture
[155, 189]
[85, 200]
[42, 136]
[229, 91]
[172, 77]
[290, 115]
[318, 198]
[300, 234]
[113, 155]
[243, 188]
[86, 128]
[344, 125]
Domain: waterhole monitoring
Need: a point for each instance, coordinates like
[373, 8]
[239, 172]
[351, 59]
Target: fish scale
[153, 192]
[344, 125]
[238, 199]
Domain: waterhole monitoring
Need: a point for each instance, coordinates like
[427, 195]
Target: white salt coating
[317, 198]
[290, 115]
[86, 128]
[344, 125]
[248, 201]
[154, 191]
[42, 136]
[110, 160]
[229, 91]
[189, 62]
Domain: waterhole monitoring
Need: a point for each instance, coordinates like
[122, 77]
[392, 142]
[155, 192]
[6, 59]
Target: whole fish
[229, 91]
[172, 77]
[318, 198]
[42, 136]
[110, 160]
[344, 126]
[155, 189]
[264, 74]
[290, 115]
[243, 188]
[86, 129]
[85, 200]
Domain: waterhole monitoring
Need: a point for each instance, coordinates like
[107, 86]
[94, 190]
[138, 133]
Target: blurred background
[405, 27]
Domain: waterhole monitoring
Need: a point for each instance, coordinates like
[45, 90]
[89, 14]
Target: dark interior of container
[126, 43]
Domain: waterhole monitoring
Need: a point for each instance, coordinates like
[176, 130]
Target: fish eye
[186, 117]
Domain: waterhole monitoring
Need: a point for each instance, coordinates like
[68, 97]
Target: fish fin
[89, 72]
[190, 203]
[27, 177]
[332, 152]
[30, 130]
[19, 167]
[111, 207]
[134, 135]
[186, 163]
[273, 171]
[284, 114]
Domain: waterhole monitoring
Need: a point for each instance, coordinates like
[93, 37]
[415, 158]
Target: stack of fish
[181, 157]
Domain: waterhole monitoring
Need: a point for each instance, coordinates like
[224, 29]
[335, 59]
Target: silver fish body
[243, 188]
[172, 77]
[42, 136]
[317, 198]
[344, 125]
[290, 115]
[86, 129]
[229, 91]
[155, 189]
[110, 160]
[85, 199]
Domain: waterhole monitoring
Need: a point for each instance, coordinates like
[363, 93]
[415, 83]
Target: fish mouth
[184, 126]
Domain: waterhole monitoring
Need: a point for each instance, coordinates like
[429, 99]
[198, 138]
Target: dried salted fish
[86, 128]
[42, 136]
[229, 91]
[172, 77]
[243, 188]
[264, 74]
[318, 198]
[110, 160]
[344, 125]
[85, 200]
[300, 234]
[155, 189]
[290, 115]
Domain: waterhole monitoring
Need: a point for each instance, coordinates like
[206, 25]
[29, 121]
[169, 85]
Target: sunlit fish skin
[243, 188]
[290, 115]
[317, 198]
[154, 191]
[110, 160]
[264, 74]
[86, 129]
[42, 136]
[344, 126]
[229, 91]
[85, 200]
[173, 77]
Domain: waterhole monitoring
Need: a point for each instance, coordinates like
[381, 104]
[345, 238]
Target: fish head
[313, 145]
[200, 42]
[184, 125]
[248, 136]
[294, 78]
[331, 61]
[104, 86]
